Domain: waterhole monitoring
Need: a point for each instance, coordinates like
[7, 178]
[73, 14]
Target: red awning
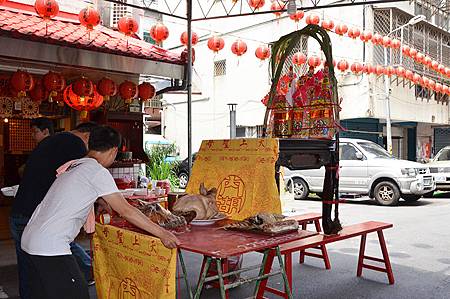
[29, 26]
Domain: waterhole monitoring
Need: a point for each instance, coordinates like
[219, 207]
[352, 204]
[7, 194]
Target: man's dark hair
[86, 127]
[43, 123]
[103, 138]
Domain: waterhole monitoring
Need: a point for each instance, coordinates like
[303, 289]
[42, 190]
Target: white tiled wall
[133, 172]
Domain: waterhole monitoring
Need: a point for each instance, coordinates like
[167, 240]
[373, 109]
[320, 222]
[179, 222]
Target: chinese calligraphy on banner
[243, 171]
[132, 265]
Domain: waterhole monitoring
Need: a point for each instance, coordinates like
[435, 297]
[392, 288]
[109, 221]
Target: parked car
[183, 171]
[440, 169]
[367, 169]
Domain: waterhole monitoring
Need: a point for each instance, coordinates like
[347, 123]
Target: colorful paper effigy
[303, 107]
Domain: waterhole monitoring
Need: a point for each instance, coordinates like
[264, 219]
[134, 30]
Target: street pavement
[419, 248]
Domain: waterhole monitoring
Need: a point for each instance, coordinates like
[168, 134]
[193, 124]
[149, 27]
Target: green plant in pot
[159, 168]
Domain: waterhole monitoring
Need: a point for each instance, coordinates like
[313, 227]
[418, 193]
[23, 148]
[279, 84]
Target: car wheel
[411, 197]
[301, 189]
[184, 178]
[386, 193]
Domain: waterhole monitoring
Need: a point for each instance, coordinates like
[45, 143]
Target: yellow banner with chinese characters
[243, 171]
[130, 265]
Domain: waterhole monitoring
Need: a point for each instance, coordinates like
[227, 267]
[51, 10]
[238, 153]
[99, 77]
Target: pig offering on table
[265, 222]
[203, 204]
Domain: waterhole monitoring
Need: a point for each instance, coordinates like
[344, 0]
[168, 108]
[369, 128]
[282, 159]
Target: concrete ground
[418, 245]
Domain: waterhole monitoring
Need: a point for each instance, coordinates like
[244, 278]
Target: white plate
[10, 191]
[207, 221]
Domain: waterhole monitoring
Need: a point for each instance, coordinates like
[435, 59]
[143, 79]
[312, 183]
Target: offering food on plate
[265, 223]
[203, 204]
[161, 216]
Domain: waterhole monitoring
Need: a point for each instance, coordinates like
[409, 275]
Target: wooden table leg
[183, 268]
[221, 282]
[283, 273]
[387, 262]
[362, 249]
[266, 266]
[225, 279]
[288, 267]
[199, 289]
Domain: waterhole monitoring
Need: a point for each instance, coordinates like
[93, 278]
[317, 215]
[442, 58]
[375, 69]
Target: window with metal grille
[118, 11]
[220, 68]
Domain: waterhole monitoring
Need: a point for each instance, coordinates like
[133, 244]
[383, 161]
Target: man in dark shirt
[39, 175]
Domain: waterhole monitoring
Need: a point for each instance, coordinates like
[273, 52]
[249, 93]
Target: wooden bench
[361, 229]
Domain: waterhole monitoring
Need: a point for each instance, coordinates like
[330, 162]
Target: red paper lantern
[107, 88]
[89, 17]
[389, 71]
[216, 43]
[405, 50]
[441, 69]
[312, 19]
[83, 87]
[262, 52]
[427, 60]
[354, 33]
[416, 78]
[342, 65]
[447, 72]
[54, 83]
[127, 25]
[38, 93]
[297, 16]
[128, 91]
[22, 82]
[276, 6]
[425, 81]
[239, 47]
[438, 87]
[419, 57]
[409, 75]
[376, 39]
[386, 41]
[400, 71]
[356, 67]
[256, 4]
[445, 89]
[412, 53]
[46, 9]
[341, 29]
[379, 70]
[146, 91]
[83, 104]
[434, 65]
[314, 61]
[368, 68]
[395, 44]
[431, 84]
[159, 32]
[327, 24]
[184, 38]
[366, 36]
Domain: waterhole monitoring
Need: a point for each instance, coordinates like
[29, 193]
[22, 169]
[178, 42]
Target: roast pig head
[204, 204]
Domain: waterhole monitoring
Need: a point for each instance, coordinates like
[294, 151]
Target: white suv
[367, 169]
[440, 168]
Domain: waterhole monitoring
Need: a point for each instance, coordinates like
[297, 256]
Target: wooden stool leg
[362, 249]
[326, 259]
[387, 262]
[302, 252]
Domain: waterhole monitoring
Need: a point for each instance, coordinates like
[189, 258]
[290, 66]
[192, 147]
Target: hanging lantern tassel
[83, 114]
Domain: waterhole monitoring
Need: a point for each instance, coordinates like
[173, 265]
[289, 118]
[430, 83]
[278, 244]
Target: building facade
[223, 78]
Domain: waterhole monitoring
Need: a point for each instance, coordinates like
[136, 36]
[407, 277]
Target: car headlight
[409, 172]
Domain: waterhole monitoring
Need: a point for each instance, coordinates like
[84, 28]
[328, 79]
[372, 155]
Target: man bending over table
[59, 217]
